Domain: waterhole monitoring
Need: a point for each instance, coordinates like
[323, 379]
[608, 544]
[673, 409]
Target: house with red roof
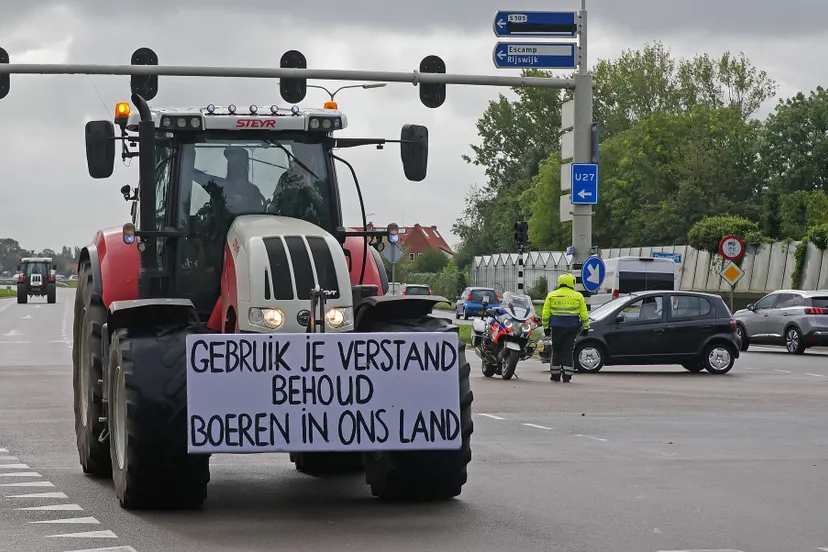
[418, 239]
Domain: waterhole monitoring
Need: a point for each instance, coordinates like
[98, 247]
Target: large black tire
[87, 374]
[22, 298]
[742, 333]
[325, 463]
[423, 474]
[148, 421]
[51, 293]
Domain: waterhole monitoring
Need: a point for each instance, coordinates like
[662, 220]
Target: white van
[625, 275]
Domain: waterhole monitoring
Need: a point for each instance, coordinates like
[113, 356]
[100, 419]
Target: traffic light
[145, 86]
[293, 90]
[521, 233]
[431, 94]
[393, 232]
[5, 82]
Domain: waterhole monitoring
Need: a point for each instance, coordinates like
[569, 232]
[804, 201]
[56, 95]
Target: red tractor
[237, 231]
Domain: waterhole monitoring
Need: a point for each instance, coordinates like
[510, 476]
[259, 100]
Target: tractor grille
[301, 256]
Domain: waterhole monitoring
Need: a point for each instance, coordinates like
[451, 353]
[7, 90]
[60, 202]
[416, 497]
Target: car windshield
[607, 308]
[288, 177]
[477, 295]
[520, 305]
[417, 290]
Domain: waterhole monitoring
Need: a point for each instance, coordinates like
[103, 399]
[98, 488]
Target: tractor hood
[275, 262]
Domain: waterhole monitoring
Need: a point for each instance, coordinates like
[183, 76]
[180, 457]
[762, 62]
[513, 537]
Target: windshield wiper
[293, 157]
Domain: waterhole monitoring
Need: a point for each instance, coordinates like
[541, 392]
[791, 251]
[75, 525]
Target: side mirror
[100, 148]
[620, 317]
[414, 151]
[751, 307]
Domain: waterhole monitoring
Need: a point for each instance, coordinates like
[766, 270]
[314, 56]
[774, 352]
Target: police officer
[566, 311]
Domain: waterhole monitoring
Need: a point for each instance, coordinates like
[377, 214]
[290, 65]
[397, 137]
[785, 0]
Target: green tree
[706, 234]
[431, 260]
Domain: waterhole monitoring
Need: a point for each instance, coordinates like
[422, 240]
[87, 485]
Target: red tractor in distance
[259, 254]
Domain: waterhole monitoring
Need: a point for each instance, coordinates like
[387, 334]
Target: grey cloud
[734, 17]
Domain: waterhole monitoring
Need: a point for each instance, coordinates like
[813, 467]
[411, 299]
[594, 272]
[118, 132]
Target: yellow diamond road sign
[732, 273]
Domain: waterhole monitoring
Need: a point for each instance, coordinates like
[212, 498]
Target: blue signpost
[664, 255]
[515, 23]
[537, 55]
[592, 273]
[584, 190]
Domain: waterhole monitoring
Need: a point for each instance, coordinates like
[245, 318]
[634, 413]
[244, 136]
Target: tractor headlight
[266, 318]
[338, 317]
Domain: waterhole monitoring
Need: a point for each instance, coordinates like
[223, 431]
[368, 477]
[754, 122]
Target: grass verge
[8, 292]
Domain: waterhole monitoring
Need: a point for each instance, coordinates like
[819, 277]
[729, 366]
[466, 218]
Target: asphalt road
[648, 460]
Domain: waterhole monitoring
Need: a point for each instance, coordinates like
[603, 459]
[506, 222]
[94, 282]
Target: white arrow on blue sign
[584, 190]
[540, 55]
[592, 273]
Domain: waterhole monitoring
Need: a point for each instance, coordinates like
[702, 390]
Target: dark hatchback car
[694, 330]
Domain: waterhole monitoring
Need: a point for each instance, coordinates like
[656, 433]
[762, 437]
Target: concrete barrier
[768, 268]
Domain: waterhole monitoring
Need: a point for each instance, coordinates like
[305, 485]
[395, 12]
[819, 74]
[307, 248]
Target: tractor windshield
[222, 179]
[36, 268]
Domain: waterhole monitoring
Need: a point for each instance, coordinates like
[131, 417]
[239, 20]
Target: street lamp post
[335, 92]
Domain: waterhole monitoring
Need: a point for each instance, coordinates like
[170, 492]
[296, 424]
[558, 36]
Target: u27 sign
[251, 393]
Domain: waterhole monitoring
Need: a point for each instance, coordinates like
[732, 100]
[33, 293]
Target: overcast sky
[49, 200]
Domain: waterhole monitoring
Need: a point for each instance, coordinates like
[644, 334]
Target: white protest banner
[252, 393]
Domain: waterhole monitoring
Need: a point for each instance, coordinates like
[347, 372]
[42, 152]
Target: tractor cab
[239, 202]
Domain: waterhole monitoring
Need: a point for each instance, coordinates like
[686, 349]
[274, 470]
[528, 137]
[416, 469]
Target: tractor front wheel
[87, 374]
[423, 474]
[148, 421]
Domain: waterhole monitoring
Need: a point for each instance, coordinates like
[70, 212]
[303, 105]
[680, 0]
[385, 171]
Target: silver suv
[790, 317]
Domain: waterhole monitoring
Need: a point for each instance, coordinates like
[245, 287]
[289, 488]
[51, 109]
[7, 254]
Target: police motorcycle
[502, 335]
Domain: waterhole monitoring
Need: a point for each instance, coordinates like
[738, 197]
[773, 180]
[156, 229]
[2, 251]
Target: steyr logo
[255, 123]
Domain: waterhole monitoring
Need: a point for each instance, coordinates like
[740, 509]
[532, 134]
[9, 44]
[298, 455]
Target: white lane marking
[53, 507]
[57, 494]
[85, 520]
[816, 376]
[110, 549]
[492, 416]
[87, 535]
[20, 474]
[15, 466]
[27, 317]
[538, 426]
[823, 549]
[590, 437]
[34, 342]
[7, 305]
[4, 458]
[782, 371]
[29, 484]
[11, 333]
[704, 550]
[4, 451]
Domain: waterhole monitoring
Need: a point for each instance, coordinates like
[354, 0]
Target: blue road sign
[592, 273]
[570, 250]
[661, 254]
[537, 55]
[584, 190]
[515, 23]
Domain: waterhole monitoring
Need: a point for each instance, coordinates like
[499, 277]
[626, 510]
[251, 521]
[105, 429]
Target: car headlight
[338, 317]
[266, 318]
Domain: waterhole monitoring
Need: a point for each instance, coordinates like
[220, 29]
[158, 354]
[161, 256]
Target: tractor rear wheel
[148, 421]
[423, 474]
[51, 293]
[87, 374]
[325, 463]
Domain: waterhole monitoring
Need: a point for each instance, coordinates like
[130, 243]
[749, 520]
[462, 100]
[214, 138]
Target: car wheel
[718, 358]
[589, 357]
[456, 315]
[740, 331]
[793, 341]
[465, 314]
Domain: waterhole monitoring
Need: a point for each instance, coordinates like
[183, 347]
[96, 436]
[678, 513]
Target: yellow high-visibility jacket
[565, 308]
